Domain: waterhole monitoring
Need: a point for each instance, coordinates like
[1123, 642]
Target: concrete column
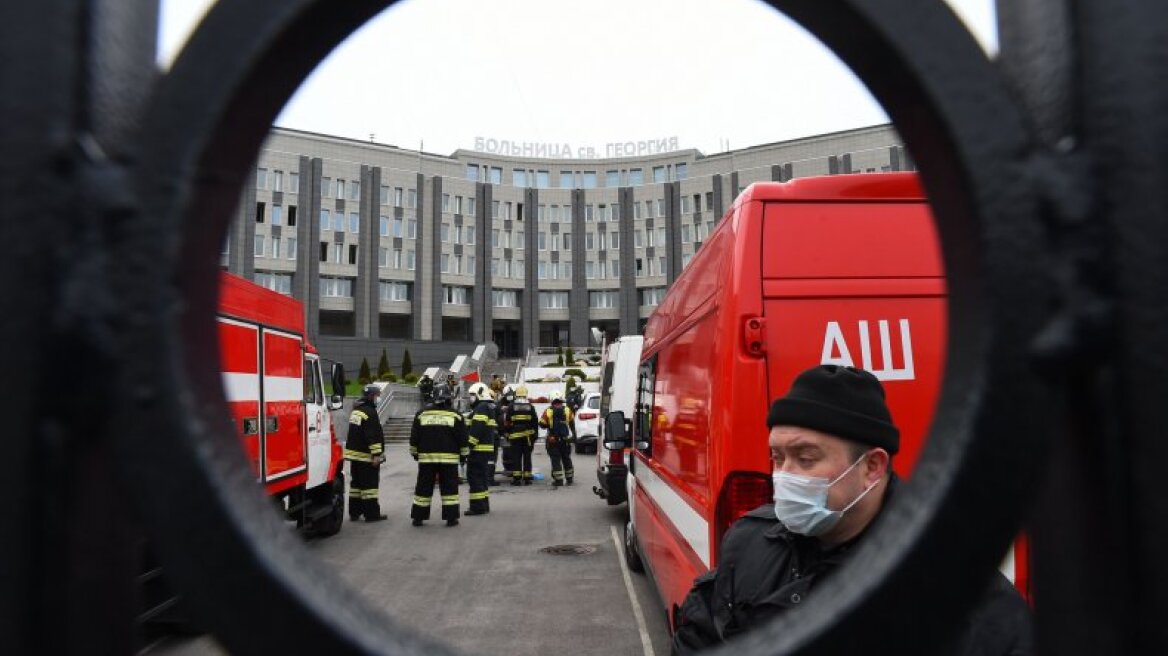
[418, 308]
[366, 292]
[434, 232]
[310, 239]
[482, 301]
[529, 304]
[719, 204]
[630, 304]
[672, 247]
[578, 297]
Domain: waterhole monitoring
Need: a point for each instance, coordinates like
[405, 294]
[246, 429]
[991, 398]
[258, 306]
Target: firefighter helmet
[442, 397]
[556, 395]
[521, 391]
[480, 392]
[371, 389]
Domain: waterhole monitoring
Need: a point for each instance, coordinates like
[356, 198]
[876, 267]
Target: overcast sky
[710, 72]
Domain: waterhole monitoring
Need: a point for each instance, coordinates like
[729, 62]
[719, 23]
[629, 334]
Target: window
[470, 205]
[554, 214]
[293, 183]
[410, 260]
[290, 248]
[472, 172]
[291, 216]
[354, 222]
[684, 234]
[445, 263]
[709, 201]
[567, 240]
[650, 237]
[412, 229]
[615, 212]
[411, 198]
[553, 300]
[456, 295]
[588, 212]
[636, 210]
[336, 287]
[608, 299]
[589, 241]
[275, 248]
[652, 296]
[383, 257]
[660, 207]
[458, 204]
[495, 238]
[326, 187]
[638, 238]
[507, 210]
[638, 267]
[446, 203]
[457, 232]
[278, 181]
[324, 251]
[590, 179]
[352, 253]
[495, 205]
[697, 202]
[661, 237]
[259, 212]
[650, 209]
[601, 238]
[682, 170]
[566, 180]
[519, 242]
[340, 188]
[636, 177]
[394, 291]
[277, 282]
[540, 212]
[384, 197]
[541, 270]
[445, 233]
[339, 221]
[542, 241]
[612, 178]
[542, 180]
[659, 174]
[383, 225]
[518, 177]
[396, 262]
[614, 268]
[685, 258]
[325, 221]
[614, 240]
[496, 175]
[589, 270]
[397, 196]
[338, 253]
[469, 237]
[661, 268]
[397, 226]
[566, 270]
[259, 246]
[507, 239]
[709, 228]
[277, 215]
[261, 178]
[505, 298]
[517, 269]
[685, 206]
[355, 190]
[470, 265]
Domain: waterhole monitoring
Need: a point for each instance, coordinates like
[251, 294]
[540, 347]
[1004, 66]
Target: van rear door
[859, 284]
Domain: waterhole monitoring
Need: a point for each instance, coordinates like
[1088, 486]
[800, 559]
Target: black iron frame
[1046, 173]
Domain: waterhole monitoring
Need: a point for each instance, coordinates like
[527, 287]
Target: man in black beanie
[832, 439]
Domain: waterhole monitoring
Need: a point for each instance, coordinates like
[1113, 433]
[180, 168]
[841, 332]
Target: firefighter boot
[452, 522]
[417, 522]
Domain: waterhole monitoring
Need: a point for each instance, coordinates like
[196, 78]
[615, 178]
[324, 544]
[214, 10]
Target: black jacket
[523, 421]
[438, 436]
[482, 426]
[365, 438]
[765, 569]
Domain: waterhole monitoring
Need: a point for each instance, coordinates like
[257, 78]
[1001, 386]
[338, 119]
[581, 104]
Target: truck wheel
[632, 555]
[331, 524]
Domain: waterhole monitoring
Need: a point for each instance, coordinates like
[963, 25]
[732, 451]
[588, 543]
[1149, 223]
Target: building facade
[415, 250]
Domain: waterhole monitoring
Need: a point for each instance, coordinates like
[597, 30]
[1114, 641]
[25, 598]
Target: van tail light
[588, 415]
[742, 492]
[616, 457]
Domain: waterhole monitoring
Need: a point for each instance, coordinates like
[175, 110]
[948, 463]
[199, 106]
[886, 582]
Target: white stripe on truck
[692, 526]
[246, 387]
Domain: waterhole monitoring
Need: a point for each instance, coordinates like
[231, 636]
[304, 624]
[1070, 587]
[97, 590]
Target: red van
[842, 269]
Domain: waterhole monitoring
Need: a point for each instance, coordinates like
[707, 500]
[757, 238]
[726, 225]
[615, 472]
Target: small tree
[559, 356]
[363, 376]
[407, 364]
[382, 365]
[569, 384]
[570, 358]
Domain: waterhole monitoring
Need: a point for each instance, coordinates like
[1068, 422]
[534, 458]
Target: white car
[588, 423]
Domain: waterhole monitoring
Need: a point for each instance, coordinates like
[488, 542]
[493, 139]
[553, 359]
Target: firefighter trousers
[365, 479]
[521, 450]
[561, 455]
[446, 475]
[477, 479]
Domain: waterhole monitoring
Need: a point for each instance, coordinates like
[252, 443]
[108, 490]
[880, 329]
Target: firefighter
[483, 425]
[364, 449]
[521, 436]
[561, 432]
[426, 388]
[438, 441]
[503, 418]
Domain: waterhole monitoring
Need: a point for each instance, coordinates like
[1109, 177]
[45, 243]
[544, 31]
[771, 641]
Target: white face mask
[801, 501]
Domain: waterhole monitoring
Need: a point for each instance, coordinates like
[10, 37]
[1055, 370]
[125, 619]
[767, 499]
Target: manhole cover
[569, 549]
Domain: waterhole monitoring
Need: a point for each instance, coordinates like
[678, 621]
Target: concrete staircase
[397, 429]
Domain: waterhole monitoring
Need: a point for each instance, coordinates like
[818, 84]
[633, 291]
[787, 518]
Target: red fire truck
[272, 378]
[842, 269]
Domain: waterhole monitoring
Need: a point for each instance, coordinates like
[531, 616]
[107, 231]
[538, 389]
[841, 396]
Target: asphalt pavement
[541, 574]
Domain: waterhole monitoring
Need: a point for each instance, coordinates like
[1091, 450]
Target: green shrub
[382, 365]
[410, 378]
[388, 377]
[569, 357]
[574, 372]
[569, 383]
[407, 364]
[363, 376]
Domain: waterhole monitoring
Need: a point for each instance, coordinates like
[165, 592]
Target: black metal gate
[1047, 171]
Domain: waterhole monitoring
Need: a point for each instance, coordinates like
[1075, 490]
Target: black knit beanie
[841, 401]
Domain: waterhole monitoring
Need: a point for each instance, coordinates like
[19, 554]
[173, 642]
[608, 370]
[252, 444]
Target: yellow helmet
[521, 391]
